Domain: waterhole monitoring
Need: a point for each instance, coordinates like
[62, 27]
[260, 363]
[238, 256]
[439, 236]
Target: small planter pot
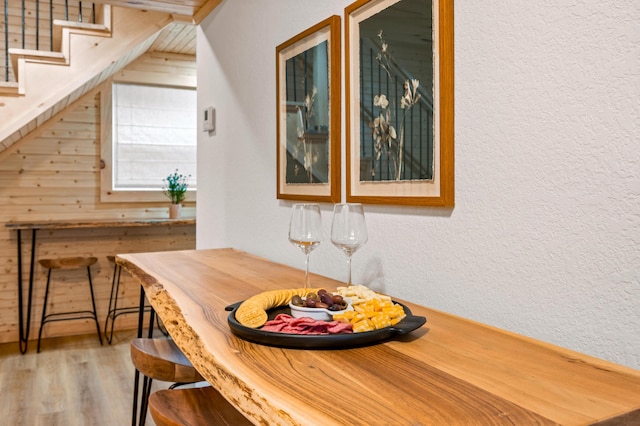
[175, 211]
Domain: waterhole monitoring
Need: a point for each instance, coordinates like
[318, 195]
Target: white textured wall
[545, 236]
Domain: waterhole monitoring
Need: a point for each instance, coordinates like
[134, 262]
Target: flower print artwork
[307, 122]
[387, 140]
[308, 107]
[399, 102]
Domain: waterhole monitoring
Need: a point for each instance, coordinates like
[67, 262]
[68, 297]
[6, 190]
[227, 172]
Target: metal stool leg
[44, 309]
[146, 383]
[93, 303]
[113, 303]
[146, 386]
[152, 316]
[144, 402]
[136, 384]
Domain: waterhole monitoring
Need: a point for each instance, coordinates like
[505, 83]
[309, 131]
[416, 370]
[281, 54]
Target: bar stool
[193, 406]
[115, 311]
[159, 359]
[68, 263]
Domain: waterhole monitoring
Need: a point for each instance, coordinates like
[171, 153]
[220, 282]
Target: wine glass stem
[306, 272]
[349, 267]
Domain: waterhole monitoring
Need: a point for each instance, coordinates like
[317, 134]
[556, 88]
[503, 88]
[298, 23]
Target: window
[153, 133]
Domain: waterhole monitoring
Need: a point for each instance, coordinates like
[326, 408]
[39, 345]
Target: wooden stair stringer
[50, 87]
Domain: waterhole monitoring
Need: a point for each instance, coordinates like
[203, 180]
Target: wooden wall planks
[56, 175]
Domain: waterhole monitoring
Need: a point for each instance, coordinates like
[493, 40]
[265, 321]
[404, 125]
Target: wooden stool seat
[193, 406]
[158, 359]
[68, 263]
[161, 359]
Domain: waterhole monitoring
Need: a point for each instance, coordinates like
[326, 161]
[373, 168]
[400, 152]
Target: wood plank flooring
[72, 381]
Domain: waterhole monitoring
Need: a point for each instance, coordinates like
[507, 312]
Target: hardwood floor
[72, 381]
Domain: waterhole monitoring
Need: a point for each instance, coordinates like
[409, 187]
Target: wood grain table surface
[450, 371]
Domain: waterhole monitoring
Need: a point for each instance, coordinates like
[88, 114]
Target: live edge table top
[98, 223]
[450, 371]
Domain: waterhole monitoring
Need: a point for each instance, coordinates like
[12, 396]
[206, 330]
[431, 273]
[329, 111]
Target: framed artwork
[399, 102]
[308, 114]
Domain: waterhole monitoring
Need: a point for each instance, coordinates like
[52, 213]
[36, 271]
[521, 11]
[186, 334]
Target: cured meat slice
[284, 323]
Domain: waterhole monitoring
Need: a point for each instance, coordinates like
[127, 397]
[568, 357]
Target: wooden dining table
[449, 371]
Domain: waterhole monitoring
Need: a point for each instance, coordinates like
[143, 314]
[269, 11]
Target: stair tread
[36, 53]
[11, 88]
[80, 25]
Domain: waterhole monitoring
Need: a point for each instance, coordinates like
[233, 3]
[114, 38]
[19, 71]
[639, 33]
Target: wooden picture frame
[399, 102]
[308, 92]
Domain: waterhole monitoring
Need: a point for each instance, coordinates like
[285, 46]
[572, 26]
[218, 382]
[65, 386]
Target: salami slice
[284, 323]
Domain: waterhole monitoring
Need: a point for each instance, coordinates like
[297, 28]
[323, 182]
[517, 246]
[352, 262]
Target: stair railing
[34, 23]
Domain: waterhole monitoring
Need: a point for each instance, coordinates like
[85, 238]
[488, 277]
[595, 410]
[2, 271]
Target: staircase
[59, 53]
[83, 56]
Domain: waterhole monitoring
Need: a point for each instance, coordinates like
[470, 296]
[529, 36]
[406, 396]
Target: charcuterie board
[321, 341]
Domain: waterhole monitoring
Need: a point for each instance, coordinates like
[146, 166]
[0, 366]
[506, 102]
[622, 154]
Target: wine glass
[305, 231]
[348, 230]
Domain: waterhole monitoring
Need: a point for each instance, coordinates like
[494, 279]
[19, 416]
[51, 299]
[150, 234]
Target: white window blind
[154, 133]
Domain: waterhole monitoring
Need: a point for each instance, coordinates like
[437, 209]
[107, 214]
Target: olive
[322, 305]
[337, 298]
[326, 298]
[297, 300]
[312, 295]
[310, 303]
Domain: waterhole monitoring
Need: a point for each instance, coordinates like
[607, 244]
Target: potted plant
[176, 188]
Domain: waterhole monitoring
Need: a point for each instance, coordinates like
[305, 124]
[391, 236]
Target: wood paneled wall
[56, 175]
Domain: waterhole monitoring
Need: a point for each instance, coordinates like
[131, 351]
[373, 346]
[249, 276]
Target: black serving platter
[323, 341]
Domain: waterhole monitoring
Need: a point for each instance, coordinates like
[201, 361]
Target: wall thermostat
[209, 119]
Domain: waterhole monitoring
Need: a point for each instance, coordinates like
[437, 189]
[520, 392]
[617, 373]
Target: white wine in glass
[305, 231]
[348, 230]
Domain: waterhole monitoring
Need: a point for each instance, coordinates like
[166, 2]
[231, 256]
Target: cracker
[251, 315]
